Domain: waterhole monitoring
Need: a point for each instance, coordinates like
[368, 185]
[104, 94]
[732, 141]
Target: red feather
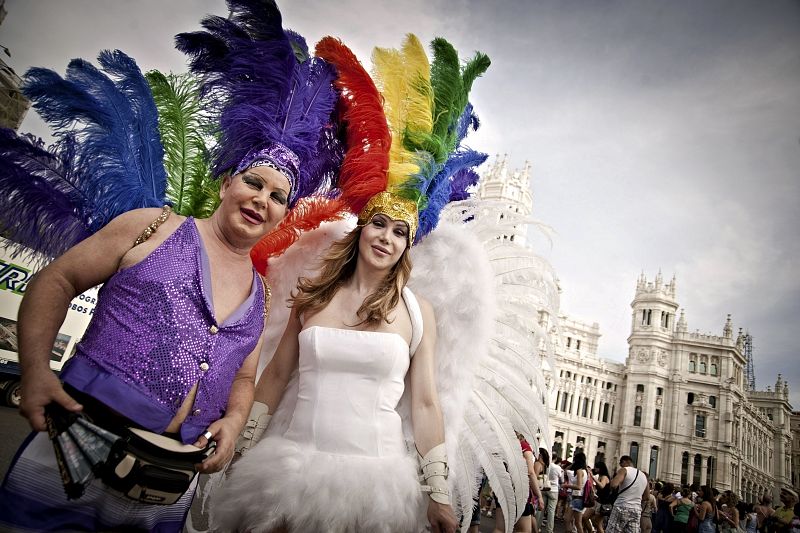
[366, 162]
[306, 215]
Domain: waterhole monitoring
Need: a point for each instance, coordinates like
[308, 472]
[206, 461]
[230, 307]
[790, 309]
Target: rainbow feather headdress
[404, 130]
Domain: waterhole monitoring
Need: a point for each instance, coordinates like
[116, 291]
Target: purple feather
[42, 209]
[260, 93]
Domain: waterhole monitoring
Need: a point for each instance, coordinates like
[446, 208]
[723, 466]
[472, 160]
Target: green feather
[447, 89]
[472, 70]
[185, 133]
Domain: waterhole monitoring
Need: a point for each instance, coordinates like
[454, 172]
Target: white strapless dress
[343, 465]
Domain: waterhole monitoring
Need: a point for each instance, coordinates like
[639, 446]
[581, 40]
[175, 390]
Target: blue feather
[135, 87]
[107, 158]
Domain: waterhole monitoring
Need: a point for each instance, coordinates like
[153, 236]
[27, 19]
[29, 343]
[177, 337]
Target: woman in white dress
[344, 460]
[355, 333]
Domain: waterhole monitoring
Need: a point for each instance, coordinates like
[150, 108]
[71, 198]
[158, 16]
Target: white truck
[15, 274]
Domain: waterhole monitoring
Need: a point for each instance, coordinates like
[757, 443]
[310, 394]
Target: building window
[664, 319]
[712, 401]
[637, 416]
[564, 402]
[653, 470]
[600, 457]
[557, 444]
[702, 367]
[685, 469]
[690, 398]
[585, 407]
[657, 419]
[700, 426]
[605, 412]
[635, 453]
[698, 465]
[639, 388]
[659, 391]
[569, 342]
[711, 472]
[692, 363]
[577, 344]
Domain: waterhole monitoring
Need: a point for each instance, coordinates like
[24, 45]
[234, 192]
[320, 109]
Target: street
[14, 428]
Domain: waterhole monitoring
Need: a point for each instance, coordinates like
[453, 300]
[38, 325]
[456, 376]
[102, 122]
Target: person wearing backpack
[633, 488]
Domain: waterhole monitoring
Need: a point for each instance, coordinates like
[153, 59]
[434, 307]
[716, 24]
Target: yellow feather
[403, 77]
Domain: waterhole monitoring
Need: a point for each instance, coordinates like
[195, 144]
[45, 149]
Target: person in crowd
[764, 512]
[556, 477]
[527, 521]
[549, 493]
[680, 507]
[728, 520]
[781, 519]
[632, 487]
[648, 510]
[706, 510]
[577, 487]
[750, 522]
[564, 494]
[664, 516]
[601, 480]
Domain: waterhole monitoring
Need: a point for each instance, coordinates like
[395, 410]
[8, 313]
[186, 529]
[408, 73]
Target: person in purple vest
[173, 345]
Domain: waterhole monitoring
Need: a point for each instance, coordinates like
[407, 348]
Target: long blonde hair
[338, 266]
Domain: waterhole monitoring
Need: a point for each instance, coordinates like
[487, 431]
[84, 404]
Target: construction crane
[750, 374]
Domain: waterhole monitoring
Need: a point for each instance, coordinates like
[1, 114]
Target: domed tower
[513, 189]
[648, 372]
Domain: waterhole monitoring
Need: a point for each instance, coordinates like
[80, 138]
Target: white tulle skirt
[283, 483]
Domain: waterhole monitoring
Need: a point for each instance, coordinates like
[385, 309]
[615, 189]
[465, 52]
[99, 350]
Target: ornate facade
[680, 405]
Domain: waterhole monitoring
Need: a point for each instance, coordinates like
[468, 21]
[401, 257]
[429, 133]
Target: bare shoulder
[135, 221]
[426, 308]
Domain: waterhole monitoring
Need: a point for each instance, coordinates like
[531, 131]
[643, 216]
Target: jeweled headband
[275, 156]
[393, 206]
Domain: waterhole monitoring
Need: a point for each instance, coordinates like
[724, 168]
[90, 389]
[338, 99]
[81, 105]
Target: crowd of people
[621, 503]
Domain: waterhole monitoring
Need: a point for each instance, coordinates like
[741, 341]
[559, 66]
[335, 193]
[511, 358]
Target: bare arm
[226, 429]
[276, 375]
[618, 478]
[532, 481]
[47, 299]
[426, 414]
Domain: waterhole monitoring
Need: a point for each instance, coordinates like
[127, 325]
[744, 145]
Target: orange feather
[306, 215]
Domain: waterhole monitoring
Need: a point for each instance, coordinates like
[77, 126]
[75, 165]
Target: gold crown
[393, 206]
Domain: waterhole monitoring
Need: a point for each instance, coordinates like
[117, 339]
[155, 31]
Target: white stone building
[680, 405]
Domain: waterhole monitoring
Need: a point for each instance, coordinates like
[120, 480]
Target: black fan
[81, 447]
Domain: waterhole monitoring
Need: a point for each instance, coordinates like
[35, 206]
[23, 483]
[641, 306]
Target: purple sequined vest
[154, 335]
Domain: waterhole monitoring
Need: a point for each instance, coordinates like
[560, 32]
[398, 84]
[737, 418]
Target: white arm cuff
[255, 426]
[434, 474]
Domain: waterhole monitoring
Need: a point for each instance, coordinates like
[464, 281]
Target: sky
[661, 135]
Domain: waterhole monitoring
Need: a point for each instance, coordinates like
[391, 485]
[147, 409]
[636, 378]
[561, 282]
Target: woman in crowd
[604, 495]
[576, 507]
[681, 508]
[706, 511]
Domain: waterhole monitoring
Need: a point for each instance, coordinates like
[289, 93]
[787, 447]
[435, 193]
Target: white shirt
[631, 497]
[555, 475]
